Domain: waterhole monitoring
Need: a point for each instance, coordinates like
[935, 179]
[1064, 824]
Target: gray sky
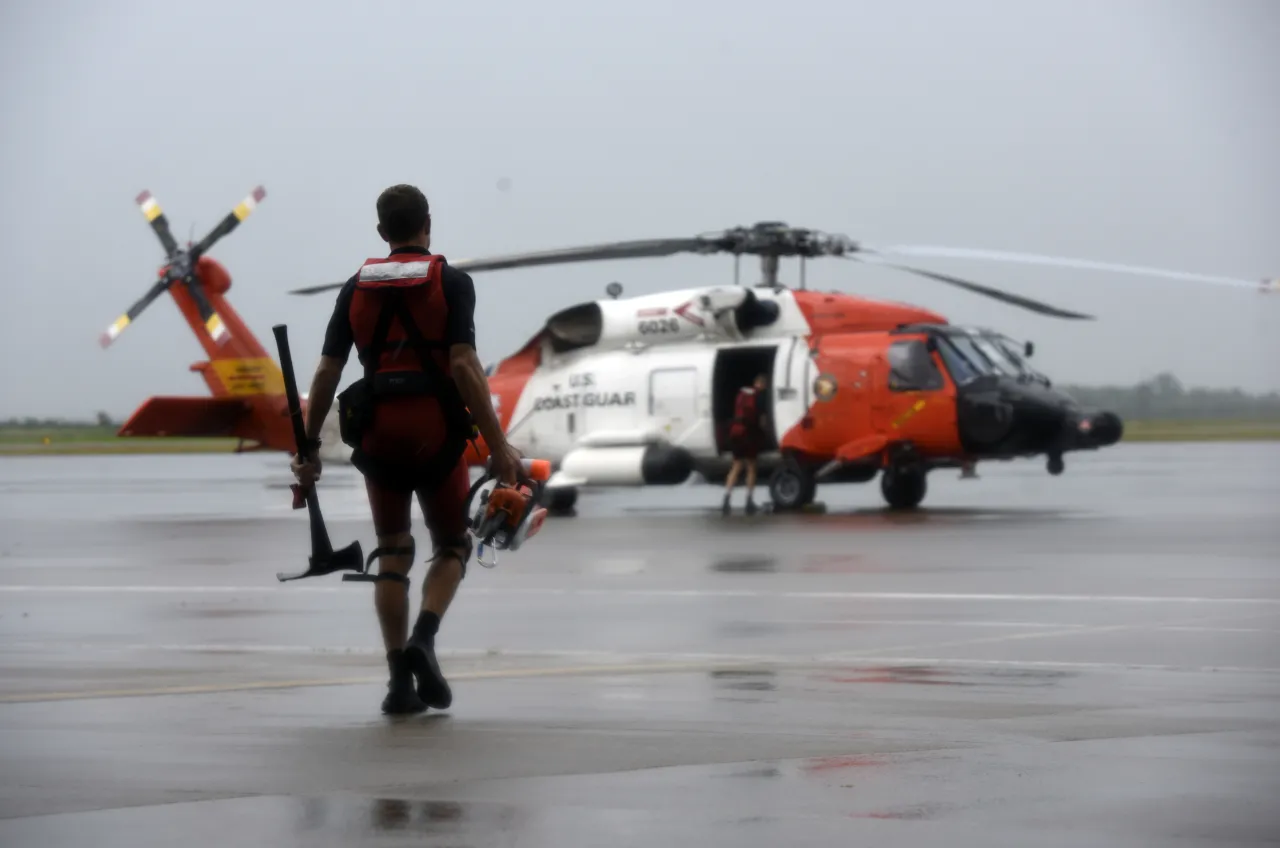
[1137, 131]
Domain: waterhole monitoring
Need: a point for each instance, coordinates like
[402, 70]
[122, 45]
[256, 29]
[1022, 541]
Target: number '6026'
[660, 325]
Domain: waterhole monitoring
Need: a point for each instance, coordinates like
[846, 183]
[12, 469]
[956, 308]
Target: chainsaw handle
[531, 469]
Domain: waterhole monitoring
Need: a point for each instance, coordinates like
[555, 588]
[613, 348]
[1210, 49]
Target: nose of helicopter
[1002, 418]
[1096, 430]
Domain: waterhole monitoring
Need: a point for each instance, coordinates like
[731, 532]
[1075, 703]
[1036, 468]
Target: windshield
[973, 353]
[1012, 352]
[997, 356]
[965, 362]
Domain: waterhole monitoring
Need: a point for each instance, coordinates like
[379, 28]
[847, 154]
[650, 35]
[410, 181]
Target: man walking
[411, 318]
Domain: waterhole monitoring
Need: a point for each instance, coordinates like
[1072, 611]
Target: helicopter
[639, 391]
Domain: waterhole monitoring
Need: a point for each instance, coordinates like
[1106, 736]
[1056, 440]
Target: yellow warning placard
[249, 376]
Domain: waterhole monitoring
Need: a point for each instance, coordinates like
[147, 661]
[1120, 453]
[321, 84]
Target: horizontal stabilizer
[187, 417]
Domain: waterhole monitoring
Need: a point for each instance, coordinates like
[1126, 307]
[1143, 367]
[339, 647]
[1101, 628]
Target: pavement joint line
[493, 674]
[1054, 630]
[670, 593]
[723, 662]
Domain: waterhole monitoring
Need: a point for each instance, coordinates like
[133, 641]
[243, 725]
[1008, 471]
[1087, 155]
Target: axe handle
[281, 332]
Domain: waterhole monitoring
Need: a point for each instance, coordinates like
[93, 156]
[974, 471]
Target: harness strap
[457, 419]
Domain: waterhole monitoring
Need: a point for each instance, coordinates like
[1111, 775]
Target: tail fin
[238, 364]
[246, 383]
[190, 417]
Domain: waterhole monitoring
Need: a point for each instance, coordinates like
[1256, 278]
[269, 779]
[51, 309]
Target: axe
[324, 559]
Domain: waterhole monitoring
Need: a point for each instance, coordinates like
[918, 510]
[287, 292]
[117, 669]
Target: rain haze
[1136, 132]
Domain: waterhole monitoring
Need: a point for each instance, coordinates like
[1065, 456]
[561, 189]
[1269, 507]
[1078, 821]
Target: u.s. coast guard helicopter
[639, 391]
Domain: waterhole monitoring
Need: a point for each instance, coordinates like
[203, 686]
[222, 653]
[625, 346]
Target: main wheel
[792, 486]
[560, 500]
[903, 489]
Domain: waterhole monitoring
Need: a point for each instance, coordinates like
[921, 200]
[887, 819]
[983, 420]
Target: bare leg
[732, 479]
[391, 597]
[729, 483]
[751, 485]
[442, 581]
[445, 512]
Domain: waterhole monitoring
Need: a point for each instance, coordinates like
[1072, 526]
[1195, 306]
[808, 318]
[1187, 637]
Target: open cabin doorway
[737, 367]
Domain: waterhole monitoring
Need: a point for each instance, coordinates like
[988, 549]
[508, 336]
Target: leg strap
[366, 577]
[460, 548]
[409, 550]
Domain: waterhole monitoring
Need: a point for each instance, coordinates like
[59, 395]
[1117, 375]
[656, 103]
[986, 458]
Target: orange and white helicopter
[638, 391]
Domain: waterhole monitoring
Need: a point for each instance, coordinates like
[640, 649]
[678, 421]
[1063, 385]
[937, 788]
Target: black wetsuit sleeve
[460, 295]
[338, 336]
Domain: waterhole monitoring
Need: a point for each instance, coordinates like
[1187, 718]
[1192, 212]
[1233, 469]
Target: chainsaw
[502, 517]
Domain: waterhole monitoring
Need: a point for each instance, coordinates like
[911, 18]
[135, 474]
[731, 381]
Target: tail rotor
[180, 265]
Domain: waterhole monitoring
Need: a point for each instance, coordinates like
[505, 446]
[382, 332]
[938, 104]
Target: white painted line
[659, 593]
[620, 662]
[1023, 625]
[1084, 666]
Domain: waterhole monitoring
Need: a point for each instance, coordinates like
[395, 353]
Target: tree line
[1165, 398]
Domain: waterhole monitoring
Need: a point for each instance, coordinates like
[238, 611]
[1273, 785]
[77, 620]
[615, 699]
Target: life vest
[745, 420]
[398, 316]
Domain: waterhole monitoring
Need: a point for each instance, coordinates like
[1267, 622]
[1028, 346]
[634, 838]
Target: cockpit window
[965, 362]
[997, 356]
[911, 368]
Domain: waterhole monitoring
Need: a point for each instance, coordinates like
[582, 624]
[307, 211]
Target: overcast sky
[1120, 130]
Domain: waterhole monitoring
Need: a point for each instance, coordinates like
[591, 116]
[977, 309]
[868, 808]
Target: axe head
[350, 558]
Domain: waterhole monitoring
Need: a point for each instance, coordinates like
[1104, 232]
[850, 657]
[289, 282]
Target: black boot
[751, 505]
[401, 698]
[725, 508]
[420, 653]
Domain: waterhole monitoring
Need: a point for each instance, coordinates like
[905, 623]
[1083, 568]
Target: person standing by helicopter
[746, 435]
[411, 318]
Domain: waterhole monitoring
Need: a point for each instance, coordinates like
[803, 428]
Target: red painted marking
[683, 310]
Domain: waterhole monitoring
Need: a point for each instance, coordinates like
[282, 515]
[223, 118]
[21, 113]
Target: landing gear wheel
[560, 500]
[792, 486]
[902, 489]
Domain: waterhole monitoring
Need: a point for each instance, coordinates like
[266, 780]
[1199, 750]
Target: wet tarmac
[1090, 659]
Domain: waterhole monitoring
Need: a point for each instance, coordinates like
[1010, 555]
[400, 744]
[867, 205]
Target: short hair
[402, 212]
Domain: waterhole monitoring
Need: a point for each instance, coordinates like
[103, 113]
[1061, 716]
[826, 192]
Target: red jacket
[746, 414]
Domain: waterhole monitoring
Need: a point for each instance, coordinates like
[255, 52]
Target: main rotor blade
[159, 223]
[117, 327]
[988, 291]
[212, 321]
[323, 287]
[590, 253]
[1060, 261]
[243, 210]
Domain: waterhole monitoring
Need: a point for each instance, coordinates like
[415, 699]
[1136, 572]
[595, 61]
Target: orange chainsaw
[503, 517]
